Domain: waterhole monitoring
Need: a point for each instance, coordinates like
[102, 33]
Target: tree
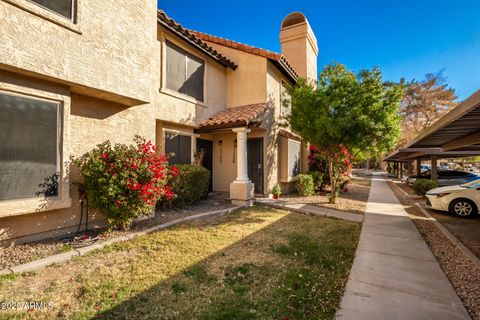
[425, 102]
[356, 111]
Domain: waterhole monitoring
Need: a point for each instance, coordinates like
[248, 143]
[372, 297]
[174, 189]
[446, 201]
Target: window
[293, 158]
[64, 8]
[29, 147]
[184, 72]
[179, 147]
[289, 154]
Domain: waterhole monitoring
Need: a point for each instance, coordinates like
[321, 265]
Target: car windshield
[472, 184]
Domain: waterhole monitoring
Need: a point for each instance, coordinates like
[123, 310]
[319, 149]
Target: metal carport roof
[457, 134]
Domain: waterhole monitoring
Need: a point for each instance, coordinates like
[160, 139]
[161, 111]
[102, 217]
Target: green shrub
[125, 181]
[318, 180]
[421, 186]
[190, 186]
[276, 190]
[305, 185]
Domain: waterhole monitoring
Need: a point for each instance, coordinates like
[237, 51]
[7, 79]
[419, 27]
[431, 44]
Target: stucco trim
[37, 10]
[63, 200]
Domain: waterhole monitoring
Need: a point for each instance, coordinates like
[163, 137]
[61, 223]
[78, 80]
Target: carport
[457, 134]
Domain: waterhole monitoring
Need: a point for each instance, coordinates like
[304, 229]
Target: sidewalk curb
[66, 256]
[450, 236]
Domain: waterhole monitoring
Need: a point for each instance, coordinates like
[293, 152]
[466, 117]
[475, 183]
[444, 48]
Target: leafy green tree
[358, 111]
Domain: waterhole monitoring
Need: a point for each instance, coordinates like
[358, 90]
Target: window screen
[28, 147]
[293, 158]
[185, 72]
[179, 148]
[62, 7]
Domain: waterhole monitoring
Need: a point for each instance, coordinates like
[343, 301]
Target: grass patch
[257, 263]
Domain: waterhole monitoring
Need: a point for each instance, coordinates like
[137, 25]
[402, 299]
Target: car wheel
[463, 207]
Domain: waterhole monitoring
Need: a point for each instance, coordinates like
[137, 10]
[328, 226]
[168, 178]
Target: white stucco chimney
[299, 45]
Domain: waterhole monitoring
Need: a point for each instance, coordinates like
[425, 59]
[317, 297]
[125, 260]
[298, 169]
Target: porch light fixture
[220, 142]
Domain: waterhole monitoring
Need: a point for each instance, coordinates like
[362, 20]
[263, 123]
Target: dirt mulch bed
[354, 201]
[463, 274]
[23, 253]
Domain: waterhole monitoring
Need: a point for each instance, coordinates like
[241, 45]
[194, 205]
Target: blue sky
[405, 38]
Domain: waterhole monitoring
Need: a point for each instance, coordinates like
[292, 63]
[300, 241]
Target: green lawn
[256, 263]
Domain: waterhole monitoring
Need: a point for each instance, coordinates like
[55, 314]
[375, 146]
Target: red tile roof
[280, 59]
[191, 39]
[243, 115]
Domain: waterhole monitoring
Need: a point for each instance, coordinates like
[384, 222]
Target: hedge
[305, 185]
[190, 186]
[421, 186]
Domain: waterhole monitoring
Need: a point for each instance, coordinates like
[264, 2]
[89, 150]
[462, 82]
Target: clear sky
[406, 38]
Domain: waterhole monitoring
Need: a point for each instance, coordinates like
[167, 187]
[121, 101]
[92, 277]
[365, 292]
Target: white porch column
[242, 168]
[241, 190]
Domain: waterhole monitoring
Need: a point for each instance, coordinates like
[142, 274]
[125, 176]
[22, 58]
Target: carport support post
[419, 165]
[409, 167]
[401, 170]
[434, 168]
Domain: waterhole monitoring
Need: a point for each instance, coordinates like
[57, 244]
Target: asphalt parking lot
[467, 230]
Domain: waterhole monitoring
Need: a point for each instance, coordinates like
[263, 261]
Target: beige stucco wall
[87, 121]
[246, 84]
[106, 53]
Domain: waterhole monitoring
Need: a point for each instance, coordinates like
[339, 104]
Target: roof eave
[223, 61]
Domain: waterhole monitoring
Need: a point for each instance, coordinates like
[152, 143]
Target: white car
[462, 200]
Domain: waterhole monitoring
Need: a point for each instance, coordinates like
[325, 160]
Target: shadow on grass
[293, 268]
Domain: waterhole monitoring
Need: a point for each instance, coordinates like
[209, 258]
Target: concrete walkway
[394, 274]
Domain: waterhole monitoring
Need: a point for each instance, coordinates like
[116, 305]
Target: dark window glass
[62, 7]
[185, 72]
[28, 147]
[179, 148]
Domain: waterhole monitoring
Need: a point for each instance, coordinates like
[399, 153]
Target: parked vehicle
[425, 167]
[443, 166]
[462, 200]
[446, 177]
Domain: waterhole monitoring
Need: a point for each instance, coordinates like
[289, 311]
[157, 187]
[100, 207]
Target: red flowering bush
[125, 181]
[336, 160]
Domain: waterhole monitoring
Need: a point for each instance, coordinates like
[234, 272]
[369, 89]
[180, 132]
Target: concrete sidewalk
[394, 274]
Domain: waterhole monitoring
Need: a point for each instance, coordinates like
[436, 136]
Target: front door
[255, 163]
[207, 146]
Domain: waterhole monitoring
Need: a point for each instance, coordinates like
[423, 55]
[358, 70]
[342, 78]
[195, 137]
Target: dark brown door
[255, 163]
[207, 145]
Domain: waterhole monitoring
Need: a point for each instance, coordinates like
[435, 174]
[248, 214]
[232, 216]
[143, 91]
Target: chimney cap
[293, 18]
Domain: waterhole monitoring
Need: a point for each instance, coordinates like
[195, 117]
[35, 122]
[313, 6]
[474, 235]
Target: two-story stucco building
[75, 73]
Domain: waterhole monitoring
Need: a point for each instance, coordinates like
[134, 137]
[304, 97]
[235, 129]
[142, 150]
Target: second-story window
[62, 7]
[184, 72]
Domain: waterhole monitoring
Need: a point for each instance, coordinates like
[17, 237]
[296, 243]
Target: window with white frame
[290, 155]
[65, 8]
[29, 147]
[184, 72]
[179, 148]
